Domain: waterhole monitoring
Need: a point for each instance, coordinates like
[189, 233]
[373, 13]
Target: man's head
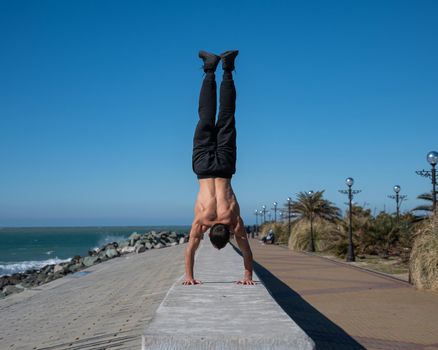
[219, 235]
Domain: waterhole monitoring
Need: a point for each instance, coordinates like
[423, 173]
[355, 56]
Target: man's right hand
[191, 281]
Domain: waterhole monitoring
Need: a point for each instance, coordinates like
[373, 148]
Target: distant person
[270, 237]
[214, 163]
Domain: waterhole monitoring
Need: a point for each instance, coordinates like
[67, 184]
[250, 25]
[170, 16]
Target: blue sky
[98, 103]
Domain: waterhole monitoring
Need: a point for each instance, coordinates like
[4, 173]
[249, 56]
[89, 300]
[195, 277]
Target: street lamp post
[398, 200]
[288, 214]
[264, 213]
[312, 240]
[350, 181]
[256, 212]
[269, 216]
[432, 158]
[275, 211]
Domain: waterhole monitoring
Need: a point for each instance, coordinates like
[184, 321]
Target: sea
[22, 248]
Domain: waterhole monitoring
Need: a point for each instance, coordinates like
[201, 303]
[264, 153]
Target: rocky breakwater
[136, 243]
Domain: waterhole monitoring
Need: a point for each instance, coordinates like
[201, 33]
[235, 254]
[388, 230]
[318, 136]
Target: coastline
[138, 243]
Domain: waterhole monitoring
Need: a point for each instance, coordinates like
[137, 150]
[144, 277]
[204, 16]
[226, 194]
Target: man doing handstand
[214, 163]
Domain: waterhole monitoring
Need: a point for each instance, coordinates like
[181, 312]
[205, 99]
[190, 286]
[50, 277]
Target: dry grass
[300, 235]
[424, 256]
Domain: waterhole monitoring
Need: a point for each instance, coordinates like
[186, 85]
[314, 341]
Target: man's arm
[194, 240]
[242, 242]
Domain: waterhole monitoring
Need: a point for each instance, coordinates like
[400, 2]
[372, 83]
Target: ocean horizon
[23, 248]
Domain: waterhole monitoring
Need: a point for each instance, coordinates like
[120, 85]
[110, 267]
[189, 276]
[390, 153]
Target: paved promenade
[105, 306]
[342, 307]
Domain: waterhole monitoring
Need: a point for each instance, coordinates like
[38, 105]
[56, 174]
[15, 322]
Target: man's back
[216, 202]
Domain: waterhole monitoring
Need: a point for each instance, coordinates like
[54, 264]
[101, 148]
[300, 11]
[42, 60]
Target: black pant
[214, 145]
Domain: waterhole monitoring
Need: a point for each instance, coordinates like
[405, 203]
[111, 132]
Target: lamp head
[349, 181]
[397, 188]
[432, 157]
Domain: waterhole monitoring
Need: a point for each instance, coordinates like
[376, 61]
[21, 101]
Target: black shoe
[210, 61]
[228, 59]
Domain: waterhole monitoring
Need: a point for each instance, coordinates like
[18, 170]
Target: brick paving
[342, 307]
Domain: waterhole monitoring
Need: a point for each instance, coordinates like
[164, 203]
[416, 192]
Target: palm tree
[428, 208]
[385, 232]
[311, 205]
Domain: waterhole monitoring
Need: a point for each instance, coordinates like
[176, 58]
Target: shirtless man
[214, 163]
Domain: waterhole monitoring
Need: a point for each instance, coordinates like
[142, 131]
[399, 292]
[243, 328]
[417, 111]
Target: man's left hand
[246, 281]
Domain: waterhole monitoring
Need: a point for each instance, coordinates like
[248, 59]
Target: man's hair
[219, 235]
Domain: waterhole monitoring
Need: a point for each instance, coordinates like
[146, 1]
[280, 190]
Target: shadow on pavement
[325, 333]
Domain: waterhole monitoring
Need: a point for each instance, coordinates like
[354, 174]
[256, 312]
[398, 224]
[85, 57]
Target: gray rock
[29, 283]
[13, 279]
[3, 281]
[112, 245]
[48, 278]
[140, 249]
[158, 246]
[134, 235]
[73, 268]
[65, 264]
[2, 295]
[133, 238]
[47, 268]
[148, 245]
[76, 259]
[41, 277]
[11, 289]
[58, 275]
[126, 250]
[124, 244]
[29, 280]
[102, 256]
[58, 268]
[182, 240]
[90, 260]
[138, 243]
[173, 244]
[95, 251]
[111, 253]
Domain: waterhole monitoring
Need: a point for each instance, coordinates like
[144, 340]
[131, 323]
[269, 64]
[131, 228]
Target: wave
[109, 239]
[21, 266]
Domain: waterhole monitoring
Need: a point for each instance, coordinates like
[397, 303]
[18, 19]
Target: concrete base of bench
[220, 314]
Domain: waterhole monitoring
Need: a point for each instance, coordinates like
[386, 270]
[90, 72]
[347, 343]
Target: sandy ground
[106, 306]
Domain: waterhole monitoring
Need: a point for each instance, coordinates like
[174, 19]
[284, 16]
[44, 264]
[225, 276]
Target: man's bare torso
[216, 203]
